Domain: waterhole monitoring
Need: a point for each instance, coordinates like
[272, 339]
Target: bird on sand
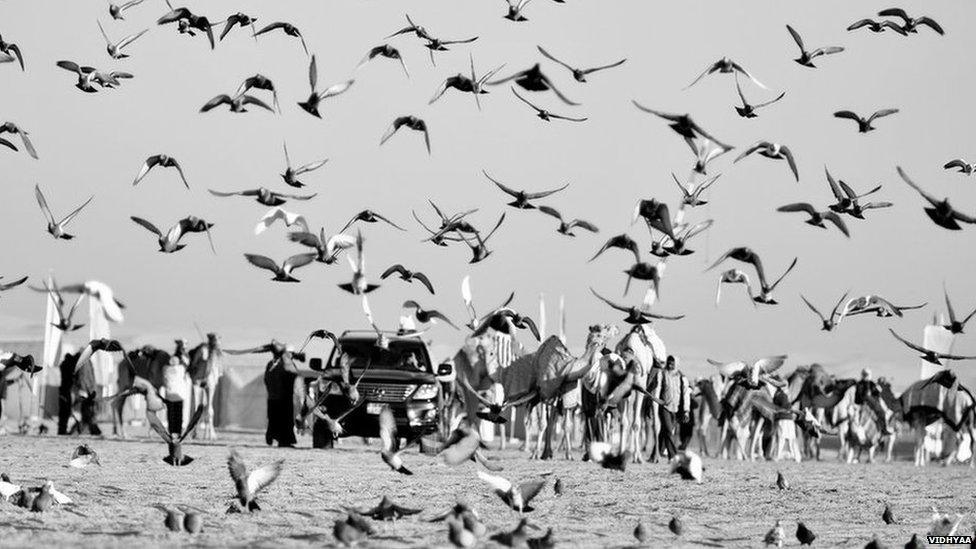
[83, 456]
[187, 22]
[940, 212]
[876, 26]
[546, 541]
[828, 323]
[238, 103]
[804, 535]
[726, 66]
[315, 97]
[407, 275]
[464, 444]
[473, 84]
[816, 217]
[955, 324]
[864, 125]
[781, 481]
[163, 161]
[174, 442]
[387, 51]
[523, 198]
[579, 74]
[622, 242]
[683, 125]
[676, 525]
[608, 457]
[928, 355]
[353, 529]
[292, 174]
[911, 24]
[11, 51]
[566, 227]
[326, 249]
[114, 49]
[517, 537]
[747, 255]
[14, 129]
[775, 536]
[389, 451]
[773, 151]
[516, 497]
[290, 219]
[426, 316]
[748, 110]
[691, 196]
[459, 534]
[635, 315]
[248, 484]
[640, 532]
[283, 272]
[116, 10]
[412, 122]
[287, 28]
[54, 226]
[386, 509]
[878, 305]
[688, 466]
[239, 20]
[359, 284]
[916, 543]
[887, 515]
[806, 57]
[264, 196]
[172, 519]
[961, 166]
[370, 216]
[533, 79]
[543, 114]
[192, 519]
[733, 276]
[169, 242]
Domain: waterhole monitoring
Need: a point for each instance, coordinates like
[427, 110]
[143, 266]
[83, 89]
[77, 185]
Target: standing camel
[205, 370]
[644, 347]
[148, 363]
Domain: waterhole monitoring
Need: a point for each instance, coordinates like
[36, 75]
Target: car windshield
[406, 356]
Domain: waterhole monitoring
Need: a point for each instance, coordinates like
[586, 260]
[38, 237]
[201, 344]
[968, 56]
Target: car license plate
[374, 408]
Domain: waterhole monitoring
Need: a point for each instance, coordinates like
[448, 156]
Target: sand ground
[734, 507]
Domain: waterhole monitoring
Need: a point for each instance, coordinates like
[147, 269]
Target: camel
[146, 362]
[820, 393]
[709, 408]
[645, 347]
[205, 370]
[552, 371]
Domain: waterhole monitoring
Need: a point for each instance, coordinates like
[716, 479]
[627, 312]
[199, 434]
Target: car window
[399, 356]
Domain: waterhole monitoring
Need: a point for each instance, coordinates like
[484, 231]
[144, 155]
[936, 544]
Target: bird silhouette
[248, 484]
[174, 442]
[864, 125]
[806, 57]
[56, 227]
[315, 98]
[940, 211]
[287, 28]
[580, 74]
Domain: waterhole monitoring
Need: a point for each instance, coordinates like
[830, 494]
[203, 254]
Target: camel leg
[118, 426]
[526, 424]
[636, 426]
[756, 438]
[550, 425]
[567, 433]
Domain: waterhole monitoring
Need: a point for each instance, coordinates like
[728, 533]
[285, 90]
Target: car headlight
[426, 391]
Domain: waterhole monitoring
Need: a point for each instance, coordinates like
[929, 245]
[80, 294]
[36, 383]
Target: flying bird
[955, 324]
[386, 509]
[287, 28]
[248, 484]
[726, 66]
[635, 315]
[911, 24]
[816, 217]
[315, 98]
[11, 50]
[545, 115]
[174, 441]
[533, 79]
[4, 286]
[747, 255]
[259, 82]
[407, 275]
[239, 20]
[170, 241]
[99, 345]
[748, 110]
[666, 246]
[369, 216]
[656, 215]
[961, 166]
[64, 318]
[828, 323]
[876, 26]
[566, 227]
[620, 241]
[864, 124]
[806, 57]
[691, 196]
[238, 103]
[683, 125]
[14, 129]
[188, 23]
[515, 8]
[847, 199]
[516, 497]
[522, 198]
[733, 276]
[774, 151]
[878, 305]
[579, 74]
[264, 196]
[163, 161]
[427, 316]
[283, 272]
[326, 249]
[114, 49]
[941, 212]
[89, 76]
[479, 248]
[387, 51]
[359, 284]
[466, 84]
[292, 174]
[411, 122]
[277, 213]
[56, 227]
[928, 355]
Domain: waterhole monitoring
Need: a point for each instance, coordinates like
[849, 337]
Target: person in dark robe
[279, 381]
[87, 391]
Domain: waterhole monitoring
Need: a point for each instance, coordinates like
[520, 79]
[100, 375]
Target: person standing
[670, 387]
[279, 381]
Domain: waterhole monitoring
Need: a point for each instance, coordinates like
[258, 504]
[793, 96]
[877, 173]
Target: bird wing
[882, 113]
[496, 482]
[531, 489]
[147, 225]
[396, 268]
[833, 312]
[610, 303]
[814, 309]
[424, 280]
[216, 102]
[838, 221]
[526, 101]
[192, 423]
[251, 100]
[313, 73]
[895, 12]
[551, 211]
[67, 219]
[604, 67]
[796, 38]
[43, 204]
[232, 193]
[780, 279]
[262, 477]
[708, 70]
[583, 224]
[271, 27]
[931, 199]
[788, 154]
[551, 58]
[543, 194]
[157, 426]
[129, 39]
[957, 163]
[149, 164]
[466, 290]
[847, 114]
[952, 312]
[770, 102]
[262, 262]
[337, 89]
[296, 261]
[738, 67]
[771, 363]
[798, 207]
[750, 150]
[467, 385]
[931, 23]
[507, 190]
[908, 343]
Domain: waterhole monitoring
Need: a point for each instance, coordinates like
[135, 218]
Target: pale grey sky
[95, 144]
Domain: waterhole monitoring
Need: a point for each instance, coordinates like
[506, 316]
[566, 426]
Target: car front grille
[385, 392]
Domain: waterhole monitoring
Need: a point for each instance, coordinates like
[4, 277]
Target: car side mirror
[315, 364]
[445, 369]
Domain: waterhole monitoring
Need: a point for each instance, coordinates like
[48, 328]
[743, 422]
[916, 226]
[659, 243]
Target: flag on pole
[542, 316]
[52, 346]
[98, 328]
[562, 319]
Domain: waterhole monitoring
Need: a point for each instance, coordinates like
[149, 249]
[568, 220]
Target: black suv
[399, 375]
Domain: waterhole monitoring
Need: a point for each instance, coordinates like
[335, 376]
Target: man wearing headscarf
[671, 389]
